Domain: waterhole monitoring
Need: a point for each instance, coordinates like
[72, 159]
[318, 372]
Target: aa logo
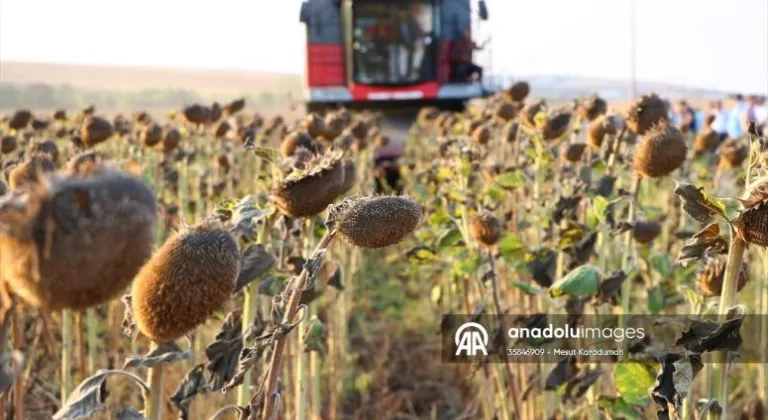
[470, 339]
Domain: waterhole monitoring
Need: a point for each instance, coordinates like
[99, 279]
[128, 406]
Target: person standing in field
[684, 117]
[735, 124]
[719, 119]
[407, 34]
[461, 58]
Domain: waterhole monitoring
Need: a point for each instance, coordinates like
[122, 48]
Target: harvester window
[393, 43]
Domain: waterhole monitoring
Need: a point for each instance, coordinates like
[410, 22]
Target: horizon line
[301, 74]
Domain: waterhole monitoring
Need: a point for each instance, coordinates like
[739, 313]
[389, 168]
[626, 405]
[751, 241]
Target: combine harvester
[388, 55]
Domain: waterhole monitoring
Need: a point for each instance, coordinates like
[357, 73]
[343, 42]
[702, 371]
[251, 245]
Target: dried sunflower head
[647, 112]
[305, 193]
[8, 144]
[752, 223]
[486, 228]
[574, 151]
[75, 242]
[193, 274]
[505, 111]
[711, 277]
[602, 126]
[593, 107]
[557, 125]
[644, 232]
[661, 151]
[733, 153]
[296, 140]
[706, 141]
[375, 222]
[519, 91]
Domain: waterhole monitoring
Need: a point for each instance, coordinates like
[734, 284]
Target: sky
[718, 44]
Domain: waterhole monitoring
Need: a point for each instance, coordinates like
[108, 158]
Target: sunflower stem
[275, 365]
[251, 294]
[66, 353]
[727, 300]
[90, 326]
[626, 286]
[154, 401]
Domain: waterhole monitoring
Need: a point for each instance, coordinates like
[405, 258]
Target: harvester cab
[391, 54]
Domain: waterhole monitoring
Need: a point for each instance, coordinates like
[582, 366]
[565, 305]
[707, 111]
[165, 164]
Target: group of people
[400, 43]
[729, 119]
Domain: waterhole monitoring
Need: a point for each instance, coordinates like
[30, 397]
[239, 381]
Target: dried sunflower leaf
[756, 196]
[705, 243]
[270, 286]
[583, 250]
[565, 208]
[610, 288]
[223, 352]
[9, 374]
[127, 413]
[246, 360]
[697, 204]
[673, 382]
[246, 217]
[704, 336]
[89, 397]
[605, 185]
[564, 371]
[334, 280]
[706, 406]
[167, 352]
[191, 386]
[578, 386]
[254, 263]
[541, 264]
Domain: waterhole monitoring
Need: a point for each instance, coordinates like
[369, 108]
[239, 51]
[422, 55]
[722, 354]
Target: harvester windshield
[394, 42]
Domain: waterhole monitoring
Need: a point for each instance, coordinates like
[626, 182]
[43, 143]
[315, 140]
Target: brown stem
[275, 365]
[500, 314]
[615, 146]
[18, 343]
[6, 309]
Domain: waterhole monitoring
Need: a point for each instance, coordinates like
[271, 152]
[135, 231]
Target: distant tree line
[40, 95]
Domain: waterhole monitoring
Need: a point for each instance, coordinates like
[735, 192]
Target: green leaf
[600, 205]
[494, 194]
[582, 281]
[655, 300]
[634, 381]
[511, 179]
[511, 248]
[421, 190]
[363, 382]
[618, 408]
[526, 287]
[466, 265]
[436, 294]
[440, 217]
[422, 253]
[266, 153]
[448, 238]
[662, 264]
